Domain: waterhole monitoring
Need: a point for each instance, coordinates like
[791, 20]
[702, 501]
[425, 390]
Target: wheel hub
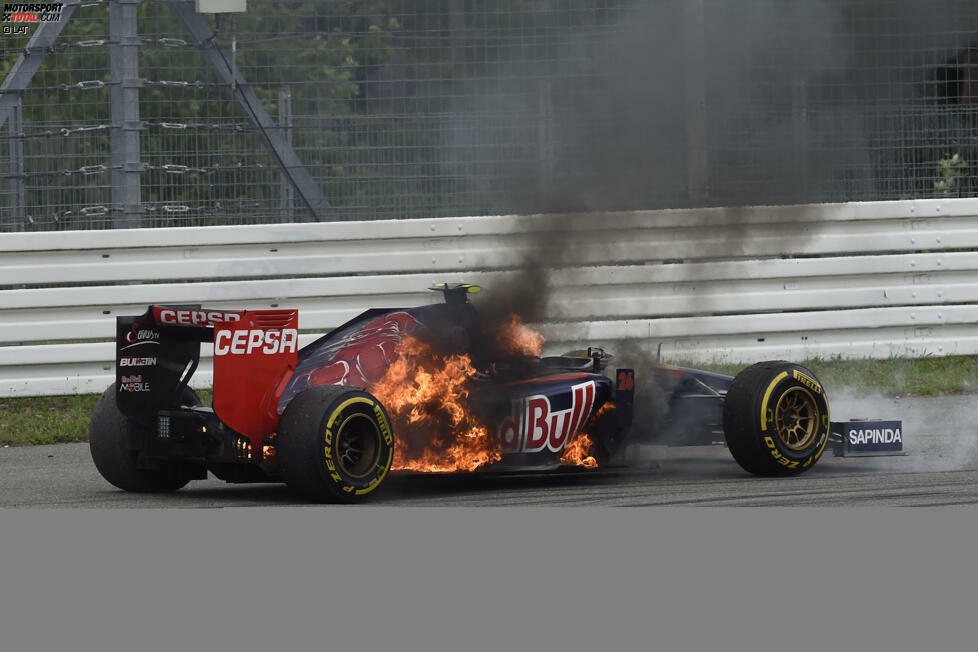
[358, 446]
[796, 418]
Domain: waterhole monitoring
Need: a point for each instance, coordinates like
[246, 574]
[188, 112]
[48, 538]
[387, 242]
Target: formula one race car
[314, 417]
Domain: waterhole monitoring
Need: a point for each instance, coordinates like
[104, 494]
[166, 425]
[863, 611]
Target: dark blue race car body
[308, 416]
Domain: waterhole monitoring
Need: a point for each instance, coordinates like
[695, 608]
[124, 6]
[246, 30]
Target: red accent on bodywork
[361, 357]
[253, 360]
[537, 430]
[538, 379]
[674, 373]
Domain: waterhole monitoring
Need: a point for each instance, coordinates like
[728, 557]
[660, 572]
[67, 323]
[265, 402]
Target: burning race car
[434, 388]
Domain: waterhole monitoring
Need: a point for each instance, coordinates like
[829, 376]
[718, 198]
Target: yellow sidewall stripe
[348, 402]
[767, 396]
[828, 419]
[390, 457]
[380, 478]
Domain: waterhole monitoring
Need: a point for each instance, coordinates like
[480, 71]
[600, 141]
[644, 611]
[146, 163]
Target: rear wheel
[113, 441]
[776, 419]
[335, 444]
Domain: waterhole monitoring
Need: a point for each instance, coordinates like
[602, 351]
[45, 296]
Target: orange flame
[519, 340]
[425, 395]
[578, 452]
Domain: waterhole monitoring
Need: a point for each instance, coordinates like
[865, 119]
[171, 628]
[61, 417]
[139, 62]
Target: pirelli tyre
[776, 419]
[112, 441]
[335, 444]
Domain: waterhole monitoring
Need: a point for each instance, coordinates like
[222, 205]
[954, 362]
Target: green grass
[45, 419]
[53, 419]
[50, 419]
[890, 377]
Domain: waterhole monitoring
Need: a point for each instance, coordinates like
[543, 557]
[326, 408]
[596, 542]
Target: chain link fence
[424, 108]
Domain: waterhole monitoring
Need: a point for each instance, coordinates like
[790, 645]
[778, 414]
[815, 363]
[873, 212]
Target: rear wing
[255, 354]
[254, 359]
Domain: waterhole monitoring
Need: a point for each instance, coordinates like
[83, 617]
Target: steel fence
[144, 113]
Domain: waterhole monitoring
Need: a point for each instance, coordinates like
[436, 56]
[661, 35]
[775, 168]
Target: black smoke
[686, 103]
[655, 106]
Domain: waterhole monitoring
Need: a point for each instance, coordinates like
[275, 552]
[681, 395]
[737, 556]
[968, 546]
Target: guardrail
[852, 280]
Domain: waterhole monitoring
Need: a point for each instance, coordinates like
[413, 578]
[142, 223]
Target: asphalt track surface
[941, 437]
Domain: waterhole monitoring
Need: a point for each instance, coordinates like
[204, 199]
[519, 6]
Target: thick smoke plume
[657, 106]
[773, 96]
[769, 102]
[705, 102]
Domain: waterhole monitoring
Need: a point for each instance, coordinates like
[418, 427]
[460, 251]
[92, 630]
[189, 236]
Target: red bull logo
[534, 426]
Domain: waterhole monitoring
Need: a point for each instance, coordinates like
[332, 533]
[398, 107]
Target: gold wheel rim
[358, 446]
[796, 417]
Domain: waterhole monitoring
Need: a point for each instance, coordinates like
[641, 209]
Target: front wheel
[776, 419]
[335, 444]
